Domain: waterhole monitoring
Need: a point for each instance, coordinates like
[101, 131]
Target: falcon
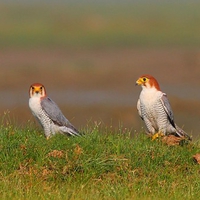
[48, 113]
[155, 110]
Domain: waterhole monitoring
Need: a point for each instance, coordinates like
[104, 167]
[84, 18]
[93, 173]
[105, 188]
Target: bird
[48, 113]
[155, 110]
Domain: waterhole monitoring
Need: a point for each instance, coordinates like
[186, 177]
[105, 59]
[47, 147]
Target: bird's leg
[157, 135]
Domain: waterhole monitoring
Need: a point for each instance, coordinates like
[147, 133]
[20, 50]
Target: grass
[104, 164]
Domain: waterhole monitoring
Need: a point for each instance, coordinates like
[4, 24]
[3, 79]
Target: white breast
[149, 96]
[41, 116]
[150, 105]
[152, 110]
[35, 106]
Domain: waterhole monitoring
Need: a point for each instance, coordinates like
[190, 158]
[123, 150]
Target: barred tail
[70, 130]
[181, 133]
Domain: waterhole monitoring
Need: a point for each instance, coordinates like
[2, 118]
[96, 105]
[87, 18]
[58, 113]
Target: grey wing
[55, 114]
[167, 108]
[53, 111]
[139, 109]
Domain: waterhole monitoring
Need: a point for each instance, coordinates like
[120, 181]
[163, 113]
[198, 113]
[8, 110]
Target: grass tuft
[100, 165]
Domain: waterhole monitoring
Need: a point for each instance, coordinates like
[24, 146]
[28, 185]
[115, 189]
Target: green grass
[103, 164]
[94, 25]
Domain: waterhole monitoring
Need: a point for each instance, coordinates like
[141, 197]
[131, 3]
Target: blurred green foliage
[99, 24]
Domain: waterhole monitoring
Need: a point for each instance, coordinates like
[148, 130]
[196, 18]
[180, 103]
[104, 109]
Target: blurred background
[89, 53]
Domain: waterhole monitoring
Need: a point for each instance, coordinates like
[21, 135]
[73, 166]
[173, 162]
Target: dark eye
[32, 88]
[40, 88]
[144, 79]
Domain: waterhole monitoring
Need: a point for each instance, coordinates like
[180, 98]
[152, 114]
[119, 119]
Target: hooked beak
[37, 90]
[138, 82]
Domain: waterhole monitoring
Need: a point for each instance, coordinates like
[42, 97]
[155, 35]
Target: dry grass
[103, 164]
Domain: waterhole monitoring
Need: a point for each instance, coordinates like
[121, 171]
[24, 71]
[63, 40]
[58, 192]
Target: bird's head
[37, 90]
[148, 81]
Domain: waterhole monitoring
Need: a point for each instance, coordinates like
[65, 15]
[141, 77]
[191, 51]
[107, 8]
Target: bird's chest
[35, 106]
[38, 112]
[150, 102]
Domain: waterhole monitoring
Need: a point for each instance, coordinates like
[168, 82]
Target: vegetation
[103, 164]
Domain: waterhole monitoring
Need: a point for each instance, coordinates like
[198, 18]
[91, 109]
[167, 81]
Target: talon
[48, 137]
[157, 135]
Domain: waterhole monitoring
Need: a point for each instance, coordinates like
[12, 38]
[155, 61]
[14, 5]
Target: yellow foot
[48, 137]
[157, 135]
